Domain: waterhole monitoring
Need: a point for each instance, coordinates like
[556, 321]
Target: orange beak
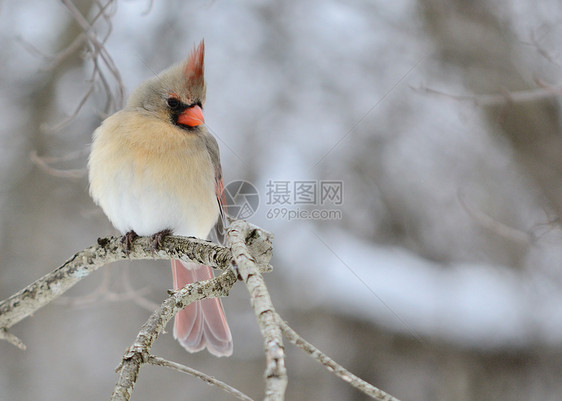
[192, 117]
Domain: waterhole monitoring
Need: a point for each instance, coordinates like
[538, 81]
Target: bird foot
[158, 237]
[127, 241]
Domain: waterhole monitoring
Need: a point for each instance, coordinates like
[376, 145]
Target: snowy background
[442, 279]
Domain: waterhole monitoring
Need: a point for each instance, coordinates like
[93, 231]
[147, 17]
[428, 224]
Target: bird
[154, 169]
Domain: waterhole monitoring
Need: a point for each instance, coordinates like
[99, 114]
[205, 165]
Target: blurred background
[435, 276]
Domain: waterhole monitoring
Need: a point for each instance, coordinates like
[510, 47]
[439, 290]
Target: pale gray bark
[248, 255]
[110, 249]
[332, 365]
[138, 353]
[154, 360]
[240, 234]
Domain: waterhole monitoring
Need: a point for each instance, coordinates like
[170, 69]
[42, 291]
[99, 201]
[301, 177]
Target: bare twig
[250, 254]
[138, 353]
[43, 165]
[332, 365]
[77, 43]
[529, 95]
[547, 54]
[80, 301]
[65, 121]
[79, 154]
[103, 293]
[31, 48]
[518, 236]
[68, 51]
[98, 54]
[110, 249]
[6, 335]
[137, 296]
[241, 236]
[154, 360]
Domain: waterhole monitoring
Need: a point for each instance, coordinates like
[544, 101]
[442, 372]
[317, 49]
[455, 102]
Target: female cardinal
[155, 170]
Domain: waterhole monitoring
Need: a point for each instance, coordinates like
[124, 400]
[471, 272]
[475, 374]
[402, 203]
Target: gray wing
[218, 232]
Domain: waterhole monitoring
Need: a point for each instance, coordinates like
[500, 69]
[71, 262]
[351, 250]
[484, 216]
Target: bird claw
[127, 241]
[158, 237]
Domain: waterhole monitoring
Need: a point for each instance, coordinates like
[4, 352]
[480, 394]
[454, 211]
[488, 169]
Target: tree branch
[6, 335]
[138, 353]
[332, 365]
[154, 360]
[249, 253]
[251, 250]
[109, 249]
[242, 238]
[527, 95]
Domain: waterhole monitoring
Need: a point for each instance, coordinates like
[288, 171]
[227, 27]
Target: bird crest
[193, 71]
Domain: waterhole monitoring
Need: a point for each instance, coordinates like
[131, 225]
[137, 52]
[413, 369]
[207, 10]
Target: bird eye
[173, 103]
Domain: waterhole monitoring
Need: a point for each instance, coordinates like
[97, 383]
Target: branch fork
[247, 256]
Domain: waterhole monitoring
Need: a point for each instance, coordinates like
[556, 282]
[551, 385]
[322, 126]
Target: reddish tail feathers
[203, 323]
